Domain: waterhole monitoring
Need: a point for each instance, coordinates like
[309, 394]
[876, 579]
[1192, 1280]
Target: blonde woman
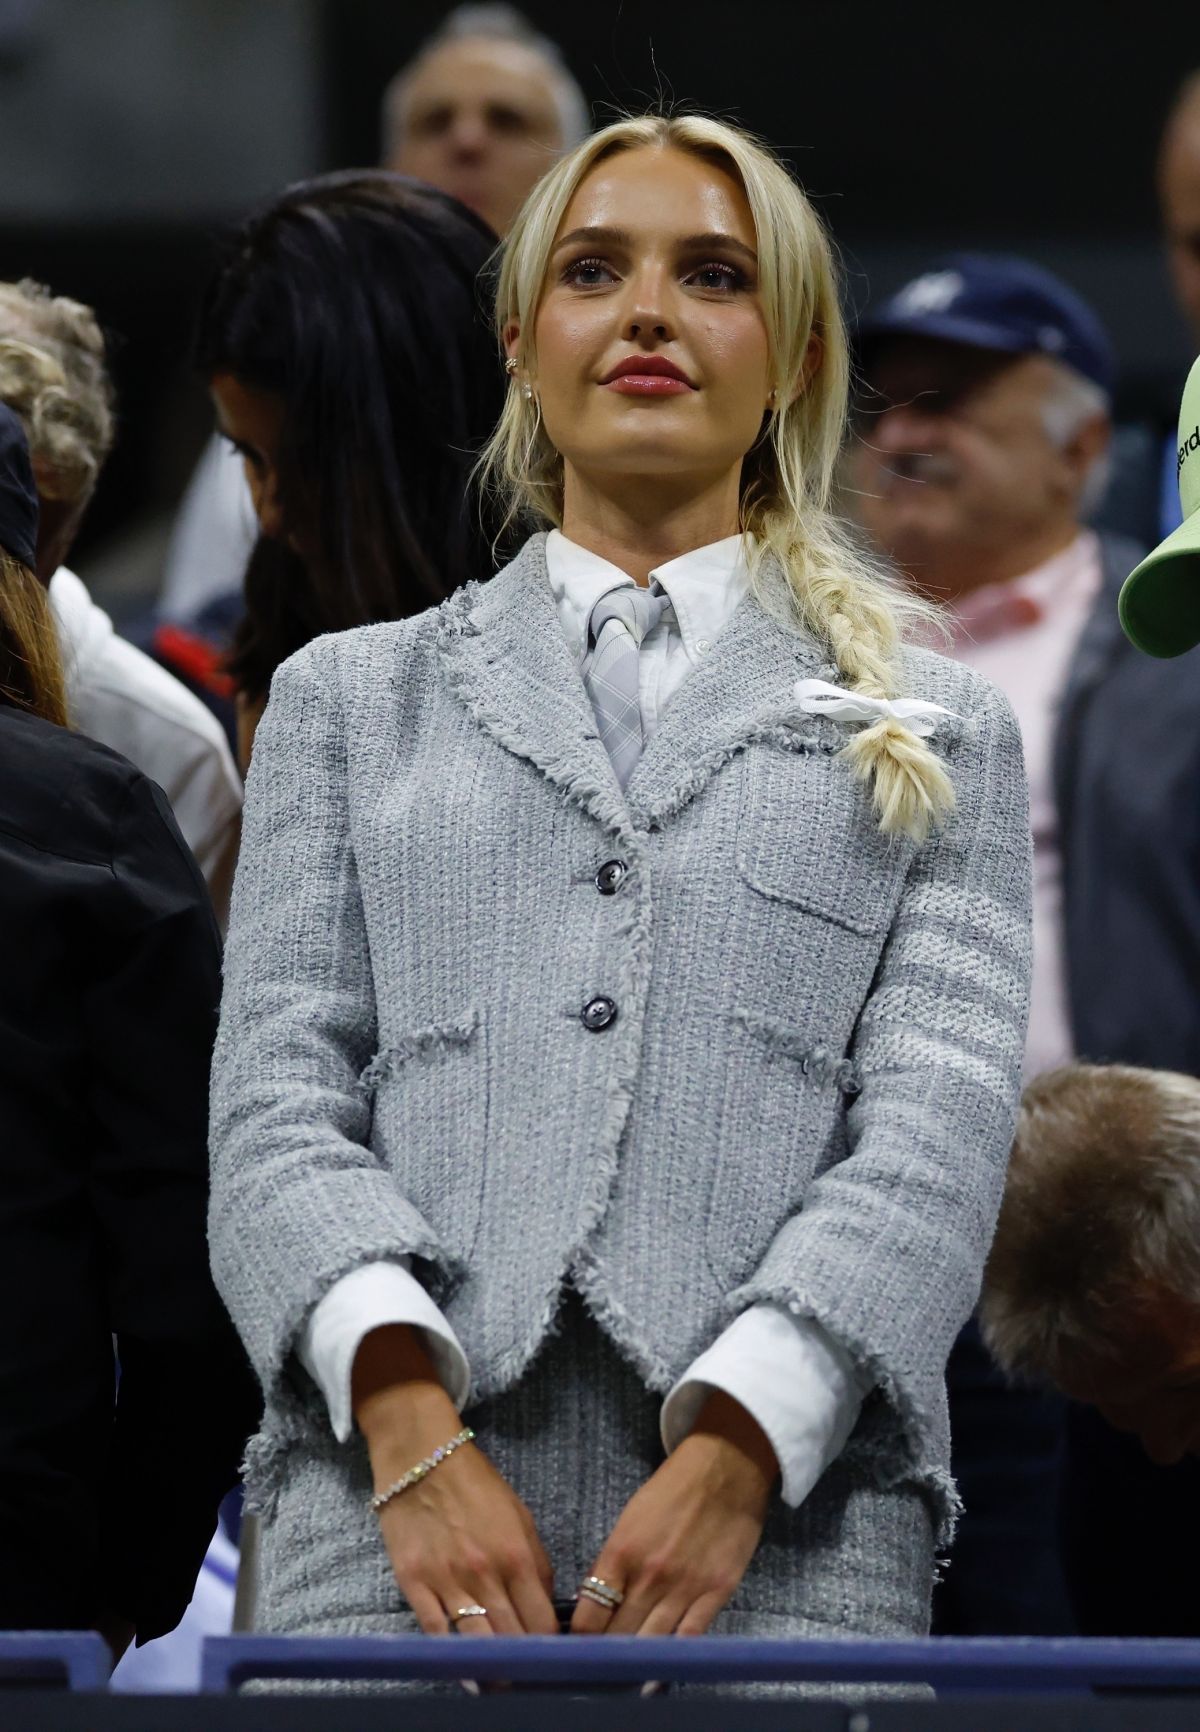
[626, 990]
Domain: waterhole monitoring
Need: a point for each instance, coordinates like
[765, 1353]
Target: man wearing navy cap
[981, 450]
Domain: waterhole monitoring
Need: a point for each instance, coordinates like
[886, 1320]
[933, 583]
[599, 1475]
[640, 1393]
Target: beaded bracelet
[415, 1475]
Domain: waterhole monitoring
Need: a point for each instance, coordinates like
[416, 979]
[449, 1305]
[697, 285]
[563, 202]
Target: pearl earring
[527, 393]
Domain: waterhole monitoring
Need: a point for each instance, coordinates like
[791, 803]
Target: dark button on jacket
[610, 877]
[598, 1013]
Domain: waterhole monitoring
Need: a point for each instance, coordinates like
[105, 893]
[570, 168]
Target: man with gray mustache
[981, 451]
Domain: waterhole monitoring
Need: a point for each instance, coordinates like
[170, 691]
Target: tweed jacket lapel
[741, 692]
[509, 664]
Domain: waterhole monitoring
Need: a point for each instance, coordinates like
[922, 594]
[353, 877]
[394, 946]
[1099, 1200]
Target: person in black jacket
[112, 1463]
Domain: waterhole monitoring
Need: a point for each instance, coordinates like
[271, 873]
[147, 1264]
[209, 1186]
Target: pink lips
[647, 376]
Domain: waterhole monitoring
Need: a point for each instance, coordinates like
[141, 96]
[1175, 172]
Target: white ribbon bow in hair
[817, 698]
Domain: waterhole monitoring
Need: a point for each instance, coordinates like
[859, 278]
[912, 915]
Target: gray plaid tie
[616, 627]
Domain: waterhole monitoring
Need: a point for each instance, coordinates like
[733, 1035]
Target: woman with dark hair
[349, 355]
[112, 973]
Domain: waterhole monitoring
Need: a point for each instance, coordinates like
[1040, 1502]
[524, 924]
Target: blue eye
[587, 273]
[720, 276]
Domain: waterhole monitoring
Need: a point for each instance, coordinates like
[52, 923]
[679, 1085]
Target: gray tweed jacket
[807, 1091]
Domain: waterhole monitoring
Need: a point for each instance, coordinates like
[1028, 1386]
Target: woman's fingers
[428, 1610]
[589, 1618]
[472, 1624]
[700, 1614]
[532, 1605]
[501, 1620]
[640, 1601]
[541, 1562]
[666, 1617]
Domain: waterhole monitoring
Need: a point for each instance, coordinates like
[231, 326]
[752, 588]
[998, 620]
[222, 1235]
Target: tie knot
[638, 610]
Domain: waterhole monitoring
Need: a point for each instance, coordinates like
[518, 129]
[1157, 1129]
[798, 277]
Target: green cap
[1160, 599]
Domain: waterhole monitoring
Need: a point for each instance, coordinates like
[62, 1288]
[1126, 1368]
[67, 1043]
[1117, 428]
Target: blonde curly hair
[54, 376]
[840, 594]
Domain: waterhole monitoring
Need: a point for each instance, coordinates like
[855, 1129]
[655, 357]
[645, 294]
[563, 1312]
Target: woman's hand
[461, 1536]
[683, 1541]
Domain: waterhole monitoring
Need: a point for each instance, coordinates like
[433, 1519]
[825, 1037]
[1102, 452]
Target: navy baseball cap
[988, 301]
[18, 495]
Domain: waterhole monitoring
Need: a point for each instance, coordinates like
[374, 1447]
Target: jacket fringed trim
[904, 1452]
[294, 1416]
[582, 790]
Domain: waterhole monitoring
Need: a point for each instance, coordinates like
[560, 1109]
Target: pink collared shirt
[1022, 635]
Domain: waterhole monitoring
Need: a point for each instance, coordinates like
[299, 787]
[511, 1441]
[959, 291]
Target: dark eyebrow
[687, 244]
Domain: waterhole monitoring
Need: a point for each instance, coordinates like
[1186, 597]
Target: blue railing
[980, 1666]
[35, 1659]
[995, 1665]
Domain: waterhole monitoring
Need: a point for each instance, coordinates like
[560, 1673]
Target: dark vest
[1127, 785]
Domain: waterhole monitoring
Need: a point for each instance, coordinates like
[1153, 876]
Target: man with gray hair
[981, 448]
[482, 110]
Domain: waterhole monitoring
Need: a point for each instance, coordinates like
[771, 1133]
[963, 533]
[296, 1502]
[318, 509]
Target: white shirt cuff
[370, 1298]
[791, 1376]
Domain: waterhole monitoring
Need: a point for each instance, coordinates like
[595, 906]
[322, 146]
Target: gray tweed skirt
[576, 1437]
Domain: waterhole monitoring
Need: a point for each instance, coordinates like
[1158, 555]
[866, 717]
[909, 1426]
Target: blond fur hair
[1100, 1223]
[839, 593]
[53, 375]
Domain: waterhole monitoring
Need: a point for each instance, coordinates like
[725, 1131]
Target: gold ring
[468, 1612]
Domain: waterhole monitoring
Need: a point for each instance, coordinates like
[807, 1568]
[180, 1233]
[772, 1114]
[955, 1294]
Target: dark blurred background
[134, 130]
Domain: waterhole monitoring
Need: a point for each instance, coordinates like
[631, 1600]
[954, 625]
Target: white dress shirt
[125, 700]
[787, 1371]
[213, 536]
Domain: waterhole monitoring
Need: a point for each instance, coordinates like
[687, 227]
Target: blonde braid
[911, 789]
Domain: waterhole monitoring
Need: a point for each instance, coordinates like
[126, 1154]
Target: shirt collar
[705, 586]
[996, 609]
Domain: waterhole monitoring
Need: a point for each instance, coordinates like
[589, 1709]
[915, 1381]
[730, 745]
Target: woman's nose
[264, 496]
[648, 315]
[646, 325]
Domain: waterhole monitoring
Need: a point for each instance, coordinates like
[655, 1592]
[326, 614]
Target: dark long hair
[357, 297]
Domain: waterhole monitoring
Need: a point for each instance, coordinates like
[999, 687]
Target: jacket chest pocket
[819, 887]
[809, 838]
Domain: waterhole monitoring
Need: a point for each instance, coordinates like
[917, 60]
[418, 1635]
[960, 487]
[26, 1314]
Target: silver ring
[601, 1592]
[468, 1612]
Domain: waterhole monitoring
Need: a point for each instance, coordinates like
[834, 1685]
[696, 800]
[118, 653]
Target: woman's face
[652, 350]
[252, 420]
